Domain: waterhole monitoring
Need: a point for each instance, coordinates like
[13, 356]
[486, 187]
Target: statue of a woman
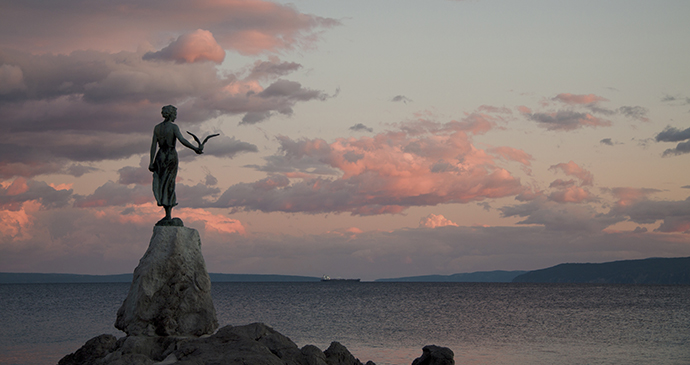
[164, 162]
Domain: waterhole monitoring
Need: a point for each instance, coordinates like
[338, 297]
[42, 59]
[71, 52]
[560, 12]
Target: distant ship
[328, 278]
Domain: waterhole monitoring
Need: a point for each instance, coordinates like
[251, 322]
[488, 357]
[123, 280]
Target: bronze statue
[163, 163]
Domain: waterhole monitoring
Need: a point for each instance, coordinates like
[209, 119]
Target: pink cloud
[427, 165]
[494, 109]
[512, 154]
[627, 196]
[249, 27]
[571, 194]
[433, 221]
[197, 46]
[16, 224]
[572, 169]
[212, 222]
[575, 99]
[21, 190]
[524, 110]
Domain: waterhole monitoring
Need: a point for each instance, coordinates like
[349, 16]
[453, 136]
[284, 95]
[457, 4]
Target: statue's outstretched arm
[185, 142]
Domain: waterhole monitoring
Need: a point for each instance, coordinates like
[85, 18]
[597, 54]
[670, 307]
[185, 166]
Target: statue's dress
[165, 173]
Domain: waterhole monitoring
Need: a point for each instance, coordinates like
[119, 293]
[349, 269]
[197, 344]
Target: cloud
[675, 215]
[635, 112]
[671, 134]
[197, 46]
[222, 147]
[567, 120]
[139, 175]
[361, 127]
[248, 27]
[574, 99]
[571, 194]
[672, 98]
[115, 194]
[20, 190]
[572, 169]
[111, 240]
[92, 106]
[401, 98]
[606, 141]
[11, 79]
[383, 174]
[272, 68]
[29, 154]
[512, 154]
[433, 221]
[558, 217]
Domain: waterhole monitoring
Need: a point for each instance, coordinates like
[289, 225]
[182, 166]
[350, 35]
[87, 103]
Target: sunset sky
[364, 139]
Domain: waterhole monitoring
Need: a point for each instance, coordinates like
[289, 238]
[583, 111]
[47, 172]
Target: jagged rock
[93, 349]
[337, 354]
[253, 344]
[435, 355]
[170, 293]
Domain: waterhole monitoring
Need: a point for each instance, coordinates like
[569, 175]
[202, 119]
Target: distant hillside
[647, 271]
[36, 278]
[498, 276]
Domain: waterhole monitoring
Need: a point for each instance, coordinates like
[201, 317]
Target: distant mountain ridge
[497, 276]
[645, 271]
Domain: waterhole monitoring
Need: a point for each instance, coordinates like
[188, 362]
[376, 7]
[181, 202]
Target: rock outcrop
[170, 293]
[255, 344]
[435, 355]
[169, 317]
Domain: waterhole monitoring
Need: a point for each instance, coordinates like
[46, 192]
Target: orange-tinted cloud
[575, 99]
[433, 221]
[627, 196]
[571, 194]
[512, 154]
[197, 46]
[15, 224]
[573, 169]
[246, 26]
[423, 164]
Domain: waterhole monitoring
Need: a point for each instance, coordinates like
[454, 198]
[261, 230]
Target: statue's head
[169, 112]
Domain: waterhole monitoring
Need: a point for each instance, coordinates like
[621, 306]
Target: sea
[389, 323]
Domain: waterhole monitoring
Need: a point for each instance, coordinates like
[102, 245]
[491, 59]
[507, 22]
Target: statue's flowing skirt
[164, 175]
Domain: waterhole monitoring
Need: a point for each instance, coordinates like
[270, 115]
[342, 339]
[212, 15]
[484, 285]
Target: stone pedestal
[170, 293]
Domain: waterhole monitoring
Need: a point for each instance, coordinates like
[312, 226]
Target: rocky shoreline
[169, 318]
[252, 344]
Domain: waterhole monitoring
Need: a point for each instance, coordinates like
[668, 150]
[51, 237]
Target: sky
[367, 139]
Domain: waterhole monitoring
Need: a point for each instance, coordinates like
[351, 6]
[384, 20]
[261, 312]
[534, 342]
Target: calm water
[389, 323]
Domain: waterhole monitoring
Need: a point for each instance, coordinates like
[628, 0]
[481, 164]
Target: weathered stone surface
[337, 354]
[435, 355]
[253, 344]
[170, 293]
[93, 349]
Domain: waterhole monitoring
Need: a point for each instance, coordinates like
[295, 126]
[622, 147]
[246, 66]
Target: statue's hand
[151, 167]
[199, 150]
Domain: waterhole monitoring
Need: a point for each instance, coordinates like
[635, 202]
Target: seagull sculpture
[201, 144]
